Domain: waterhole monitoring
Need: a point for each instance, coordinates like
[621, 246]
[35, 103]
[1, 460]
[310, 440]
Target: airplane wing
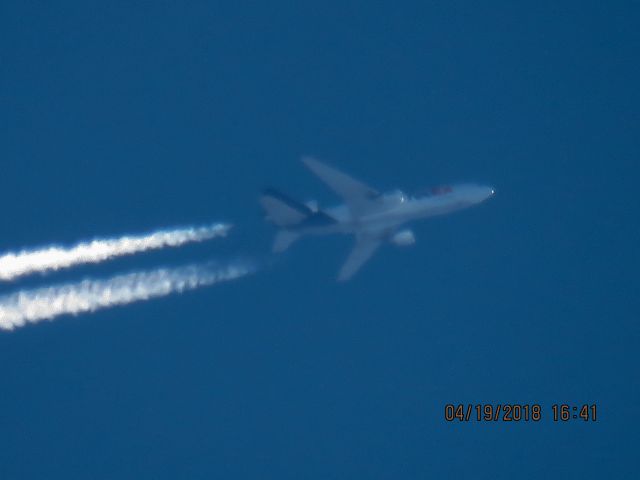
[357, 196]
[364, 249]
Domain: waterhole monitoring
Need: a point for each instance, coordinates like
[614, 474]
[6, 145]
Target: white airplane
[374, 218]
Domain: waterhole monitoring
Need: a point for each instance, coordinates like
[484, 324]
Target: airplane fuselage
[371, 217]
[396, 209]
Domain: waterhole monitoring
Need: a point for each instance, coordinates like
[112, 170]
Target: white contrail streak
[14, 265]
[90, 295]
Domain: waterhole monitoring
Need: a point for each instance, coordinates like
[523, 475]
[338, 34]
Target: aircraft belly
[327, 230]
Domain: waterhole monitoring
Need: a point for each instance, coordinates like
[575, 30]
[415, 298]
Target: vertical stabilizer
[282, 210]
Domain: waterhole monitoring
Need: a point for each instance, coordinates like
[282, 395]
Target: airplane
[372, 217]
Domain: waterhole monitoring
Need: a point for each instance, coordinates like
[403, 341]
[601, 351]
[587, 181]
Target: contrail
[14, 265]
[90, 295]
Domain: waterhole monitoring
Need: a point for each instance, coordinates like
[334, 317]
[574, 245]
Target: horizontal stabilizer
[283, 240]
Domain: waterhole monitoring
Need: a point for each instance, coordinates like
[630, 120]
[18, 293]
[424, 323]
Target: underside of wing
[358, 196]
[365, 247]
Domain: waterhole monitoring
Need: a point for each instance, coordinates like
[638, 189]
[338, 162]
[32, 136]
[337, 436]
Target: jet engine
[394, 198]
[403, 238]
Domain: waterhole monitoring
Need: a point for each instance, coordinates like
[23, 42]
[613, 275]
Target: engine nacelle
[394, 198]
[403, 238]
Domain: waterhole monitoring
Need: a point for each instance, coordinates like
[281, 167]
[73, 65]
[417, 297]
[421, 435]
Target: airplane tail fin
[282, 210]
[288, 214]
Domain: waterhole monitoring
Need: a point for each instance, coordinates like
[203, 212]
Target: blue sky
[118, 118]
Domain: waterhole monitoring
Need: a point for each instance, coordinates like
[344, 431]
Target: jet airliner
[372, 217]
